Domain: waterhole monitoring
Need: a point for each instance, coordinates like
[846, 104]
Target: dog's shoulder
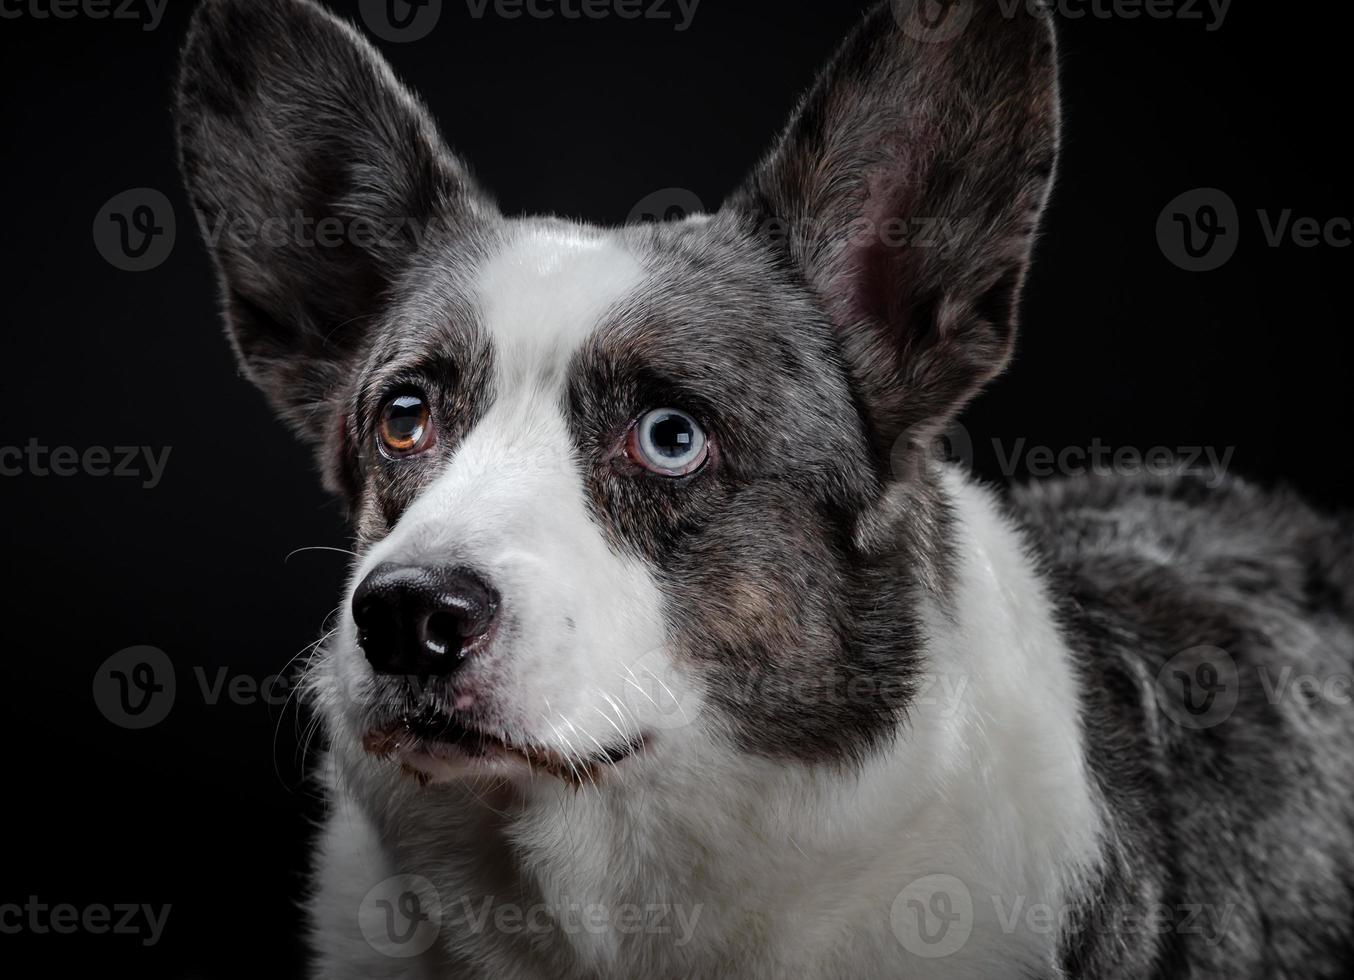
[1211, 626]
[1154, 545]
[1230, 525]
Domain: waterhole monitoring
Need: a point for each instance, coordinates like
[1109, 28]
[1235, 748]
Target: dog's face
[660, 486]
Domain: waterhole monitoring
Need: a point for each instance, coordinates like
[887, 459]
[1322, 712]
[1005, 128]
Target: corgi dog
[672, 649]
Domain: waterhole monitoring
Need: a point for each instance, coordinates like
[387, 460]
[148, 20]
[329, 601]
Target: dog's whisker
[607, 718]
[641, 690]
[602, 753]
[309, 651]
[674, 697]
[568, 753]
[623, 715]
[319, 547]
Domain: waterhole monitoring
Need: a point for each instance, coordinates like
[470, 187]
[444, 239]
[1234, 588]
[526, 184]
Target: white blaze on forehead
[513, 504]
[545, 294]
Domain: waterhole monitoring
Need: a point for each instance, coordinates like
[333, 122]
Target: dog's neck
[725, 863]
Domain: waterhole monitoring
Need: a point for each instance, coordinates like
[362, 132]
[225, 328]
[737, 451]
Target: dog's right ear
[316, 176]
[910, 181]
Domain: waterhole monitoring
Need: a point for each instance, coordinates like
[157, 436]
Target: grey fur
[1249, 816]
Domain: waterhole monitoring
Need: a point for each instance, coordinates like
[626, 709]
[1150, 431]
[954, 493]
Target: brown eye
[406, 424]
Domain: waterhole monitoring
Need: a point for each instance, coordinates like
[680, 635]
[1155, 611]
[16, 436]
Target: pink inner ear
[870, 276]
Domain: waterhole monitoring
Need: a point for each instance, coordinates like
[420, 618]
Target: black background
[209, 811]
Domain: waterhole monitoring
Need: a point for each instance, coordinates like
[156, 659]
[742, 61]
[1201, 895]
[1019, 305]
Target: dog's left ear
[317, 179]
[907, 190]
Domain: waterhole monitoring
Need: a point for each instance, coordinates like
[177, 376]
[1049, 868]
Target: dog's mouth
[435, 746]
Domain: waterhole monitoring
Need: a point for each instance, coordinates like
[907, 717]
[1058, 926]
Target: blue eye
[668, 441]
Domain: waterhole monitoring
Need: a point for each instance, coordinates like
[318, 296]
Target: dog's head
[658, 485]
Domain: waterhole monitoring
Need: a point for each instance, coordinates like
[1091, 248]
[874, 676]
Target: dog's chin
[432, 747]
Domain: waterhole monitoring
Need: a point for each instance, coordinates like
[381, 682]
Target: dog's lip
[420, 733]
[437, 747]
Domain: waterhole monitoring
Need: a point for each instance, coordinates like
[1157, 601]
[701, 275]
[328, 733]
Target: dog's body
[672, 650]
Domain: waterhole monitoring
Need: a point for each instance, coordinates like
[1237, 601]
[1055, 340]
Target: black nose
[421, 620]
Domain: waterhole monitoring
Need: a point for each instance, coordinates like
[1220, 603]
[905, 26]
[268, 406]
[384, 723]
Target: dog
[672, 650]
